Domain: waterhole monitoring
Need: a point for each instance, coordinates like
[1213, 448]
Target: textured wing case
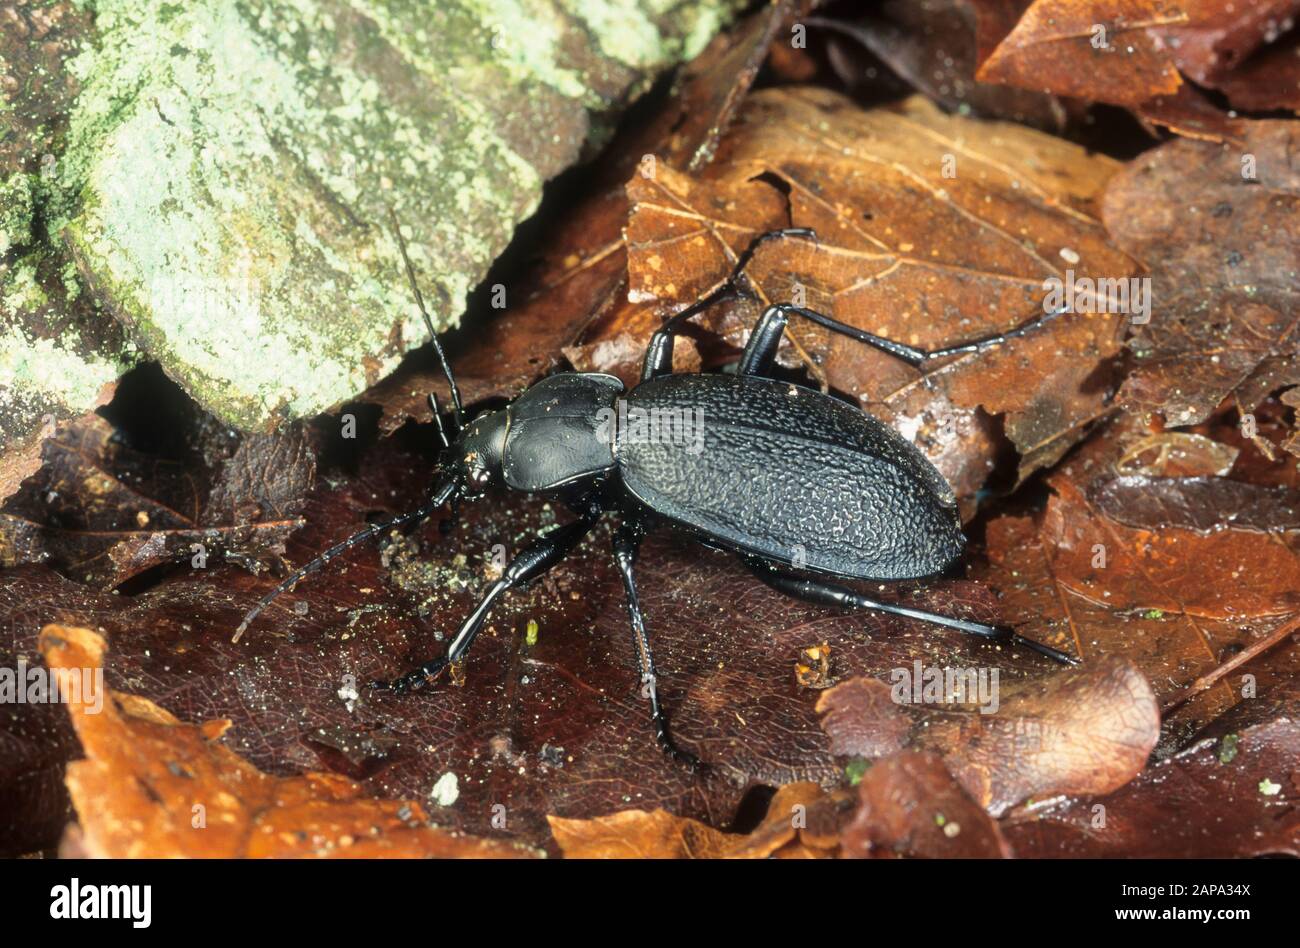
[790, 474]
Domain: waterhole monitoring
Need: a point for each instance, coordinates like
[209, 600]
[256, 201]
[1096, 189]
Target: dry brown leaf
[1169, 590]
[154, 787]
[1220, 229]
[934, 46]
[1090, 49]
[1134, 53]
[102, 511]
[802, 820]
[1234, 792]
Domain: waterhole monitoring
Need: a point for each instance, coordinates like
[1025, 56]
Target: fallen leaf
[102, 512]
[933, 45]
[1134, 53]
[802, 819]
[1090, 49]
[862, 719]
[909, 805]
[1227, 46]
[1222, 240]
[1081, 731]
[1205, 802]
[1200, 504]
[153, 787]
[1269, 79]
[1175, 597]
[555, 728]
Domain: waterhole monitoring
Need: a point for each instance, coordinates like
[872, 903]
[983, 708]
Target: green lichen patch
[15, 212]
[49, 366]
[230, 166]
[59, 357]
[59, 354]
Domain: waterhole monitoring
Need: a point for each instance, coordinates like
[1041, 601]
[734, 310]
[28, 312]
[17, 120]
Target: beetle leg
[536, 559]
[831, 594]
[658, 358]
[763, 342]
[627, 541]
[447, 488]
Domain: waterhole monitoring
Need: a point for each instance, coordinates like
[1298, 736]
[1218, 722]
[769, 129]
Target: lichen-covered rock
[60, 353]
[228, 169]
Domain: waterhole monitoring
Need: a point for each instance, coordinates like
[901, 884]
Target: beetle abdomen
[788, 473]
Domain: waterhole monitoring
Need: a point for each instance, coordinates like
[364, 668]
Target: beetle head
[477, 453]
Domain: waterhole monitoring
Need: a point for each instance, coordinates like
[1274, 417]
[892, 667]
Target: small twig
[1210, 678]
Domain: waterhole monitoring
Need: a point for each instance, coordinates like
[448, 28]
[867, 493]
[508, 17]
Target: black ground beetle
[785, 477]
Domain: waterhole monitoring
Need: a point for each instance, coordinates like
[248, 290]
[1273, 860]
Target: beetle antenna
[444, 491]
[437, 420]
[433, 336]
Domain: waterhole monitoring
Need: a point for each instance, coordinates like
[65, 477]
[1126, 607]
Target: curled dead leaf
[1093, 49]
[802, 820]
[102, 512]
[1086, 730]
[910, 805]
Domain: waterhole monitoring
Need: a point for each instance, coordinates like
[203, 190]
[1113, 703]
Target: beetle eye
[476, 471]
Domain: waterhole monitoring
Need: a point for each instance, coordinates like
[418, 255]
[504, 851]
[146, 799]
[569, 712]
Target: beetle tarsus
[533, 562]
[685, 758]
[1055, 655]
[418, 680]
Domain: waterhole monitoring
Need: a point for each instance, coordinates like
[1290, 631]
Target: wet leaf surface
[1100, 570]
[555, 728]
[1200, 504]
[910, 805]
[1134, 52]
[1092, 50]
[1137, 53]
[1230, 47]
[1235, 793]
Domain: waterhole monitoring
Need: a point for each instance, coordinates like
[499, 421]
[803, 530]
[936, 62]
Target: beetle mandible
[789, 477]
